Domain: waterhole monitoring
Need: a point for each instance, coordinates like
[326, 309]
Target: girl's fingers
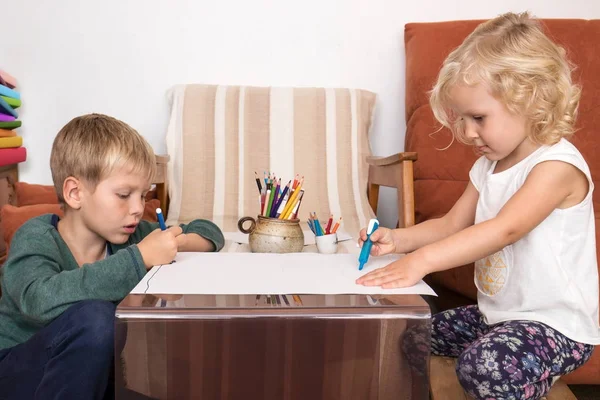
[370, 275]
[376, 235]
[363, 234]
[375, 279]
[381, 279]
[396, 283]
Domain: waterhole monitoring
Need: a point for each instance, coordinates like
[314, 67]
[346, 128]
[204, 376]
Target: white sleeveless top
[551, 274]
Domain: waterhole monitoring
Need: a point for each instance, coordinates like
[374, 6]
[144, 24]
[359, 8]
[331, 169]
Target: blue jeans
[70, 358]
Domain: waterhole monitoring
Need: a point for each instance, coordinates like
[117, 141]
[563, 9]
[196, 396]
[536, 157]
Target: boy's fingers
[175, 230]
[181, 239]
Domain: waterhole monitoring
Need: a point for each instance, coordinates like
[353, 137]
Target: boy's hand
[405, 272]
[383, 241]
[160, 247]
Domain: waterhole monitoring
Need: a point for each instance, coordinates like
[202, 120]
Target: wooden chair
[394, 171]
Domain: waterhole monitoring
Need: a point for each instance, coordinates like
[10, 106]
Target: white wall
[119, 56]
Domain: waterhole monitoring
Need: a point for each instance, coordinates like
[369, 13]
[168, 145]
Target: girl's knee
[466, 369]
[474, 374]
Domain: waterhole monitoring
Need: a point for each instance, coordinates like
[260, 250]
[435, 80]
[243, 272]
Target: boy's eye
[478, 118]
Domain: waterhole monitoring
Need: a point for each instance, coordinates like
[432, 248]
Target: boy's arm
[42, 290]
[195, 242]
[208, 236]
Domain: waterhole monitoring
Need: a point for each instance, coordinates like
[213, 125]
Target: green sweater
[41, 278]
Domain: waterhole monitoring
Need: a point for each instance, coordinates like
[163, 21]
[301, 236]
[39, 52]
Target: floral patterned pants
[509, 360]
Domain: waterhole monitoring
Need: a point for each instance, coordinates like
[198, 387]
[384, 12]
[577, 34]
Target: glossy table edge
[366, 307]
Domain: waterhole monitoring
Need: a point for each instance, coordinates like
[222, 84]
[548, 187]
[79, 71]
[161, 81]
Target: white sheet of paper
[309, 237]
[267, 273]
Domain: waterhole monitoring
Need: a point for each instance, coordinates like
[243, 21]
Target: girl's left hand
[405, 272]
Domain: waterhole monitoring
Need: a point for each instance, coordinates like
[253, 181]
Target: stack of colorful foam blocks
[11, 144]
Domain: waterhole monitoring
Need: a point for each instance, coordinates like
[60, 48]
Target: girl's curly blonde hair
[521, 67]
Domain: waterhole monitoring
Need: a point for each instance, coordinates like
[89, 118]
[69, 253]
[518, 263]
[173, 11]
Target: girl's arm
[550, 185]
[460, 216]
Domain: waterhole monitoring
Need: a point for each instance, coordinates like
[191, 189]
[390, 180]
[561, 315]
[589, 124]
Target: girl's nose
[471, 131]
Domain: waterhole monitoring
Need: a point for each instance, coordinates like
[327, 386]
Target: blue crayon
[161, 219]
[366, 248]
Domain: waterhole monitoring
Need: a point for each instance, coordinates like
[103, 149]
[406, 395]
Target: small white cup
[327, 244]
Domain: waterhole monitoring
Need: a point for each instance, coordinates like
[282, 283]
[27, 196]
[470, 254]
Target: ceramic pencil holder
[273, 235]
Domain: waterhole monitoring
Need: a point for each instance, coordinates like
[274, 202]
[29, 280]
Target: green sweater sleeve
[43, 280]
[202, 227]
[207, 230]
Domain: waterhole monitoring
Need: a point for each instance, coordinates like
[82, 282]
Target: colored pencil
[291, 202]
[297, 299]
[328, 227]
[258, 182]
[336, 226]
[270, 203]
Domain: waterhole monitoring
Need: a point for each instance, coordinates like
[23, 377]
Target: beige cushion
[219, 136]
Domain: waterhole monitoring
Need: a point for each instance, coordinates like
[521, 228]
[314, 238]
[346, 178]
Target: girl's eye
[123, 196]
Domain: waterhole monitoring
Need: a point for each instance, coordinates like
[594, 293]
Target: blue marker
[366, 249]
[161, 219]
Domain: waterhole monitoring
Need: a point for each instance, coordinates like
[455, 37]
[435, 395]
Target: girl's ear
[73, 192]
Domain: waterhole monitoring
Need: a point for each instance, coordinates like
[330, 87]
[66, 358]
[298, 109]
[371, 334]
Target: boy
[63, 277]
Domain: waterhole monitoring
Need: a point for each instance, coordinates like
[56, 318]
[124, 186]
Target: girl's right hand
[383, 241]
[160, 247]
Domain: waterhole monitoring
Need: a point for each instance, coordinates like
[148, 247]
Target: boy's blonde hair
[92, 146]
[521, 67]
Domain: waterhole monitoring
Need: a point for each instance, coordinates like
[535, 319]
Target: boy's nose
[137, 208]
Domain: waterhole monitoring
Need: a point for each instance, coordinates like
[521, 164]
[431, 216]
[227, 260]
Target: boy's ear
[73, 192]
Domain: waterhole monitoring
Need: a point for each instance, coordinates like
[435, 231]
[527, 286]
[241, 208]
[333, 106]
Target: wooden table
[233, 347]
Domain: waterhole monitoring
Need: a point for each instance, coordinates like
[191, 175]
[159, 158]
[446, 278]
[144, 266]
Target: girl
[526, 217]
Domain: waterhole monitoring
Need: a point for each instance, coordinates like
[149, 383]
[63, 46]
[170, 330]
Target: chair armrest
[394, 171]
[393, 159]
